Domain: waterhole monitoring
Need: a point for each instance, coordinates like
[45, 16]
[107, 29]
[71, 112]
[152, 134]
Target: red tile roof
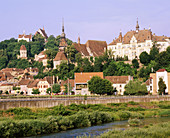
[141, 36]
[60, 56]
[25, 36]
[25, 81]
[161, 70]
[71, 81]
[84, 77]
[23, 47]
[118, 79]
[91, 48]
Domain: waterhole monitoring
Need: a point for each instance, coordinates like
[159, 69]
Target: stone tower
[23, 52]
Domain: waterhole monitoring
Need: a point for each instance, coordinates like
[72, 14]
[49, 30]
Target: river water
[97, 130]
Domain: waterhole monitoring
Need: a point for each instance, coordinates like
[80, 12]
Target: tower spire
[78, 39]
[137, 25]
[63, 25]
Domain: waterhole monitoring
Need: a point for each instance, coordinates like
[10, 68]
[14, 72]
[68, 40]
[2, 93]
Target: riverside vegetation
[160, 130]
[19, 122]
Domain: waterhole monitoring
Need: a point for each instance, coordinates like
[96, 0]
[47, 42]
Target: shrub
[134, 122]
[133, 103]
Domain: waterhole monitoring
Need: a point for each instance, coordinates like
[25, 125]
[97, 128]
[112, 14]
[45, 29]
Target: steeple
[120, 36]
[78, 40]
[137, 25]
[63, 34]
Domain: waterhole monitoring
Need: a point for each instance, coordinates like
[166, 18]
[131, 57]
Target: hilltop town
[41, 65]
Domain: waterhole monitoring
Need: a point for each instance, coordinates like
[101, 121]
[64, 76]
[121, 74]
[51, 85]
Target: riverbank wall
[50, 102]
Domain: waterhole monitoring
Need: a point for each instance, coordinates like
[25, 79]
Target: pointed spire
[79, 39]
[63, 25]
[137, 25]
[120, 36]
[43, 28]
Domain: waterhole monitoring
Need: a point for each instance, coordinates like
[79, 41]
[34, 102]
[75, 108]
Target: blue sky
[91, 19]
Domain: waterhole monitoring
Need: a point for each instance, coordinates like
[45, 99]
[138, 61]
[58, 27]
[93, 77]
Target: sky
[89, 19]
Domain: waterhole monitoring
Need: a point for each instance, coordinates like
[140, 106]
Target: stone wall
[50, 102]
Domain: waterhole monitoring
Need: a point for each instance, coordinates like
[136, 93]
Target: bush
[134, 122]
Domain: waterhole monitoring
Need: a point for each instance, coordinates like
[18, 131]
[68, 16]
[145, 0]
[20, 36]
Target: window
[151, 88]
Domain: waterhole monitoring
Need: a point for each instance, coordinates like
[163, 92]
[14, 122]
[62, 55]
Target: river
[97, 130]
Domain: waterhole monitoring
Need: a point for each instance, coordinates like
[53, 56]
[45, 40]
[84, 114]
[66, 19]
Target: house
[134, 42]
[60, 57]
[45, 83]
[42, 57]
[16, 72]
[92, 48]
[81, 82]
[25, 37]
[43, 33]
[63, 83]
[6, 86]
[31, 71]
[23, 52]
[154, 80]
[23, 83]
[32, 85]
[119, 82]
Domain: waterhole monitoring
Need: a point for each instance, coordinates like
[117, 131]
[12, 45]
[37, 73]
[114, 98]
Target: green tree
[35, 91]
[154, 52]
[78, 59]
[48, 91]
[56, 88]
[71, 52]
[3, 62]
[100, 86]
[135, 63]
[144, 58]
[162, 86]
[135, 88]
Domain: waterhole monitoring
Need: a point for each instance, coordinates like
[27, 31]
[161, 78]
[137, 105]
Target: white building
[23, 52]
[43, 33]
[42, 57]
[27, 38]
[119, 82]
[133, 43]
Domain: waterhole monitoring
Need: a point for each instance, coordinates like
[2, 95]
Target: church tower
[63, 42]
[23, 52]
[137, 26]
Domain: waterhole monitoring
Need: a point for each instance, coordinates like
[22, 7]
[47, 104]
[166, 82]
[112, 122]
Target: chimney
[78, 40]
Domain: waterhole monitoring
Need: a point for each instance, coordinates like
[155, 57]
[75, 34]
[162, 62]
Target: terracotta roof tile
[117, 79]
[33, 83]
[25, 36]
[25, 81]
[60, 56]
[23, 47]
[84, 77]
[161, 70]
[91, 48]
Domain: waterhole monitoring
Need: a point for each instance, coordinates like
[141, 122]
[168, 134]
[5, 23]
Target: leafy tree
[154, 52]
[100, 86]
[71, 52]
[135, 88]
[144, 58]
[98, 66]
[162, 86]
[78, 59]
[86, 65]
[56, 88]
[63, 70]
[111, 70]
[163, 59]
[66, 88]
[48, 91]
[35, 91]
[3, 62]
[135, 63]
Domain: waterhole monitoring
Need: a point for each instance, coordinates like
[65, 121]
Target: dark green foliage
[162, 86]
[135, 63]
[56, 88]
[35, 91]
[144, 58]
[135, 88]
[100, 86]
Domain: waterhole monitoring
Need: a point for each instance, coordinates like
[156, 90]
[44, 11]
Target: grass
[15, 121]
